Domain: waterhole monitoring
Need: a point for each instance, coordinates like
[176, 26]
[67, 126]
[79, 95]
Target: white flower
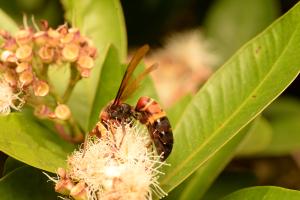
[9, 99]
[121, 166]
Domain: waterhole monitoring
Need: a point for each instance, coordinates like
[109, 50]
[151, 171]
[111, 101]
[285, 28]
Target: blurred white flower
[186, 61]
[120, 166]
[9, 99]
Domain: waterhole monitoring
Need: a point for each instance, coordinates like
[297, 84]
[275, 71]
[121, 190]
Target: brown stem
[62, 133]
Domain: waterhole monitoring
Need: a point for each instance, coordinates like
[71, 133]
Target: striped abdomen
[157, 123]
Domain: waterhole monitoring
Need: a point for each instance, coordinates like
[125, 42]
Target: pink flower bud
[64, 186]
[10, 78]
[22, 67]
[26, 78]
[85, 62]
[62, 112]
[54, 37]
[24, 36]
[24, 53]
[46, 54]
[41, 88]
[78, 192]
[40, 38]
[70, 52]
[8, 56]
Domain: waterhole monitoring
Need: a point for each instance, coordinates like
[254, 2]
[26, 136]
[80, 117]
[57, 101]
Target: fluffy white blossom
[8, 99]
[120, 166]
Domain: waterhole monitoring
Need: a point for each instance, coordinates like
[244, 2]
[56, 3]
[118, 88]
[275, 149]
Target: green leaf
[24, 139]
[257, 140]
[234, 96]
[264, 192]
[284, 118]
[103, 22]
[109, 82]
[11, 164]
[205, 176]
[174, 113]
[231, 23]
[26, 183]
[7, 23]
[229, 182]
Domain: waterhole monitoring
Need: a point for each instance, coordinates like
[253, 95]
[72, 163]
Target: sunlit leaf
[175, 112]
[7, 23]
[24, 139]
[234, 96]
[264, 192]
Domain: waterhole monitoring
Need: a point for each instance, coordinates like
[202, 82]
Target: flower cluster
[118, 166]
[26, 56]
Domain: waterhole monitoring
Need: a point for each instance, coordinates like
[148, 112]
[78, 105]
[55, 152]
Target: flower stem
[75, 77]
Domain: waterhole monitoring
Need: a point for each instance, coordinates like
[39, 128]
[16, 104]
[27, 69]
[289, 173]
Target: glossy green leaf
[7, 23]
[103, 22]
[110, 80]
[24, 139]
[257, 140]
[174, 113]
[234, 96]
[26, 183]
[231, 23]
[264, 192]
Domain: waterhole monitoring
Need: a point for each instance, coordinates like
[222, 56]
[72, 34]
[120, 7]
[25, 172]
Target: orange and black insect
[147, 111]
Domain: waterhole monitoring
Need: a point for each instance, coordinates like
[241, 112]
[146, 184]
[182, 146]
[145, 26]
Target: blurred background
[191, 39]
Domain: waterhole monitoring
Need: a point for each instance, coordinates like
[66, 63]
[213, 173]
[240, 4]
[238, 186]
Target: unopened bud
[62, 112]
[24, 36]
[46, 53]
[68, 38]
[24, 53]
[73, 35]
[78, 192]
[85, 62]
[61, 172]
[54, 37]
[74, 30]
[64, 186]
[40, 38]
[8, 56]
[62, 29]
[22, 67]
[41, 88]
[42, 111]
[26, 78]
[10, 78]
[9, 44]
[70, 52]
[92, 51]
[85, 73]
